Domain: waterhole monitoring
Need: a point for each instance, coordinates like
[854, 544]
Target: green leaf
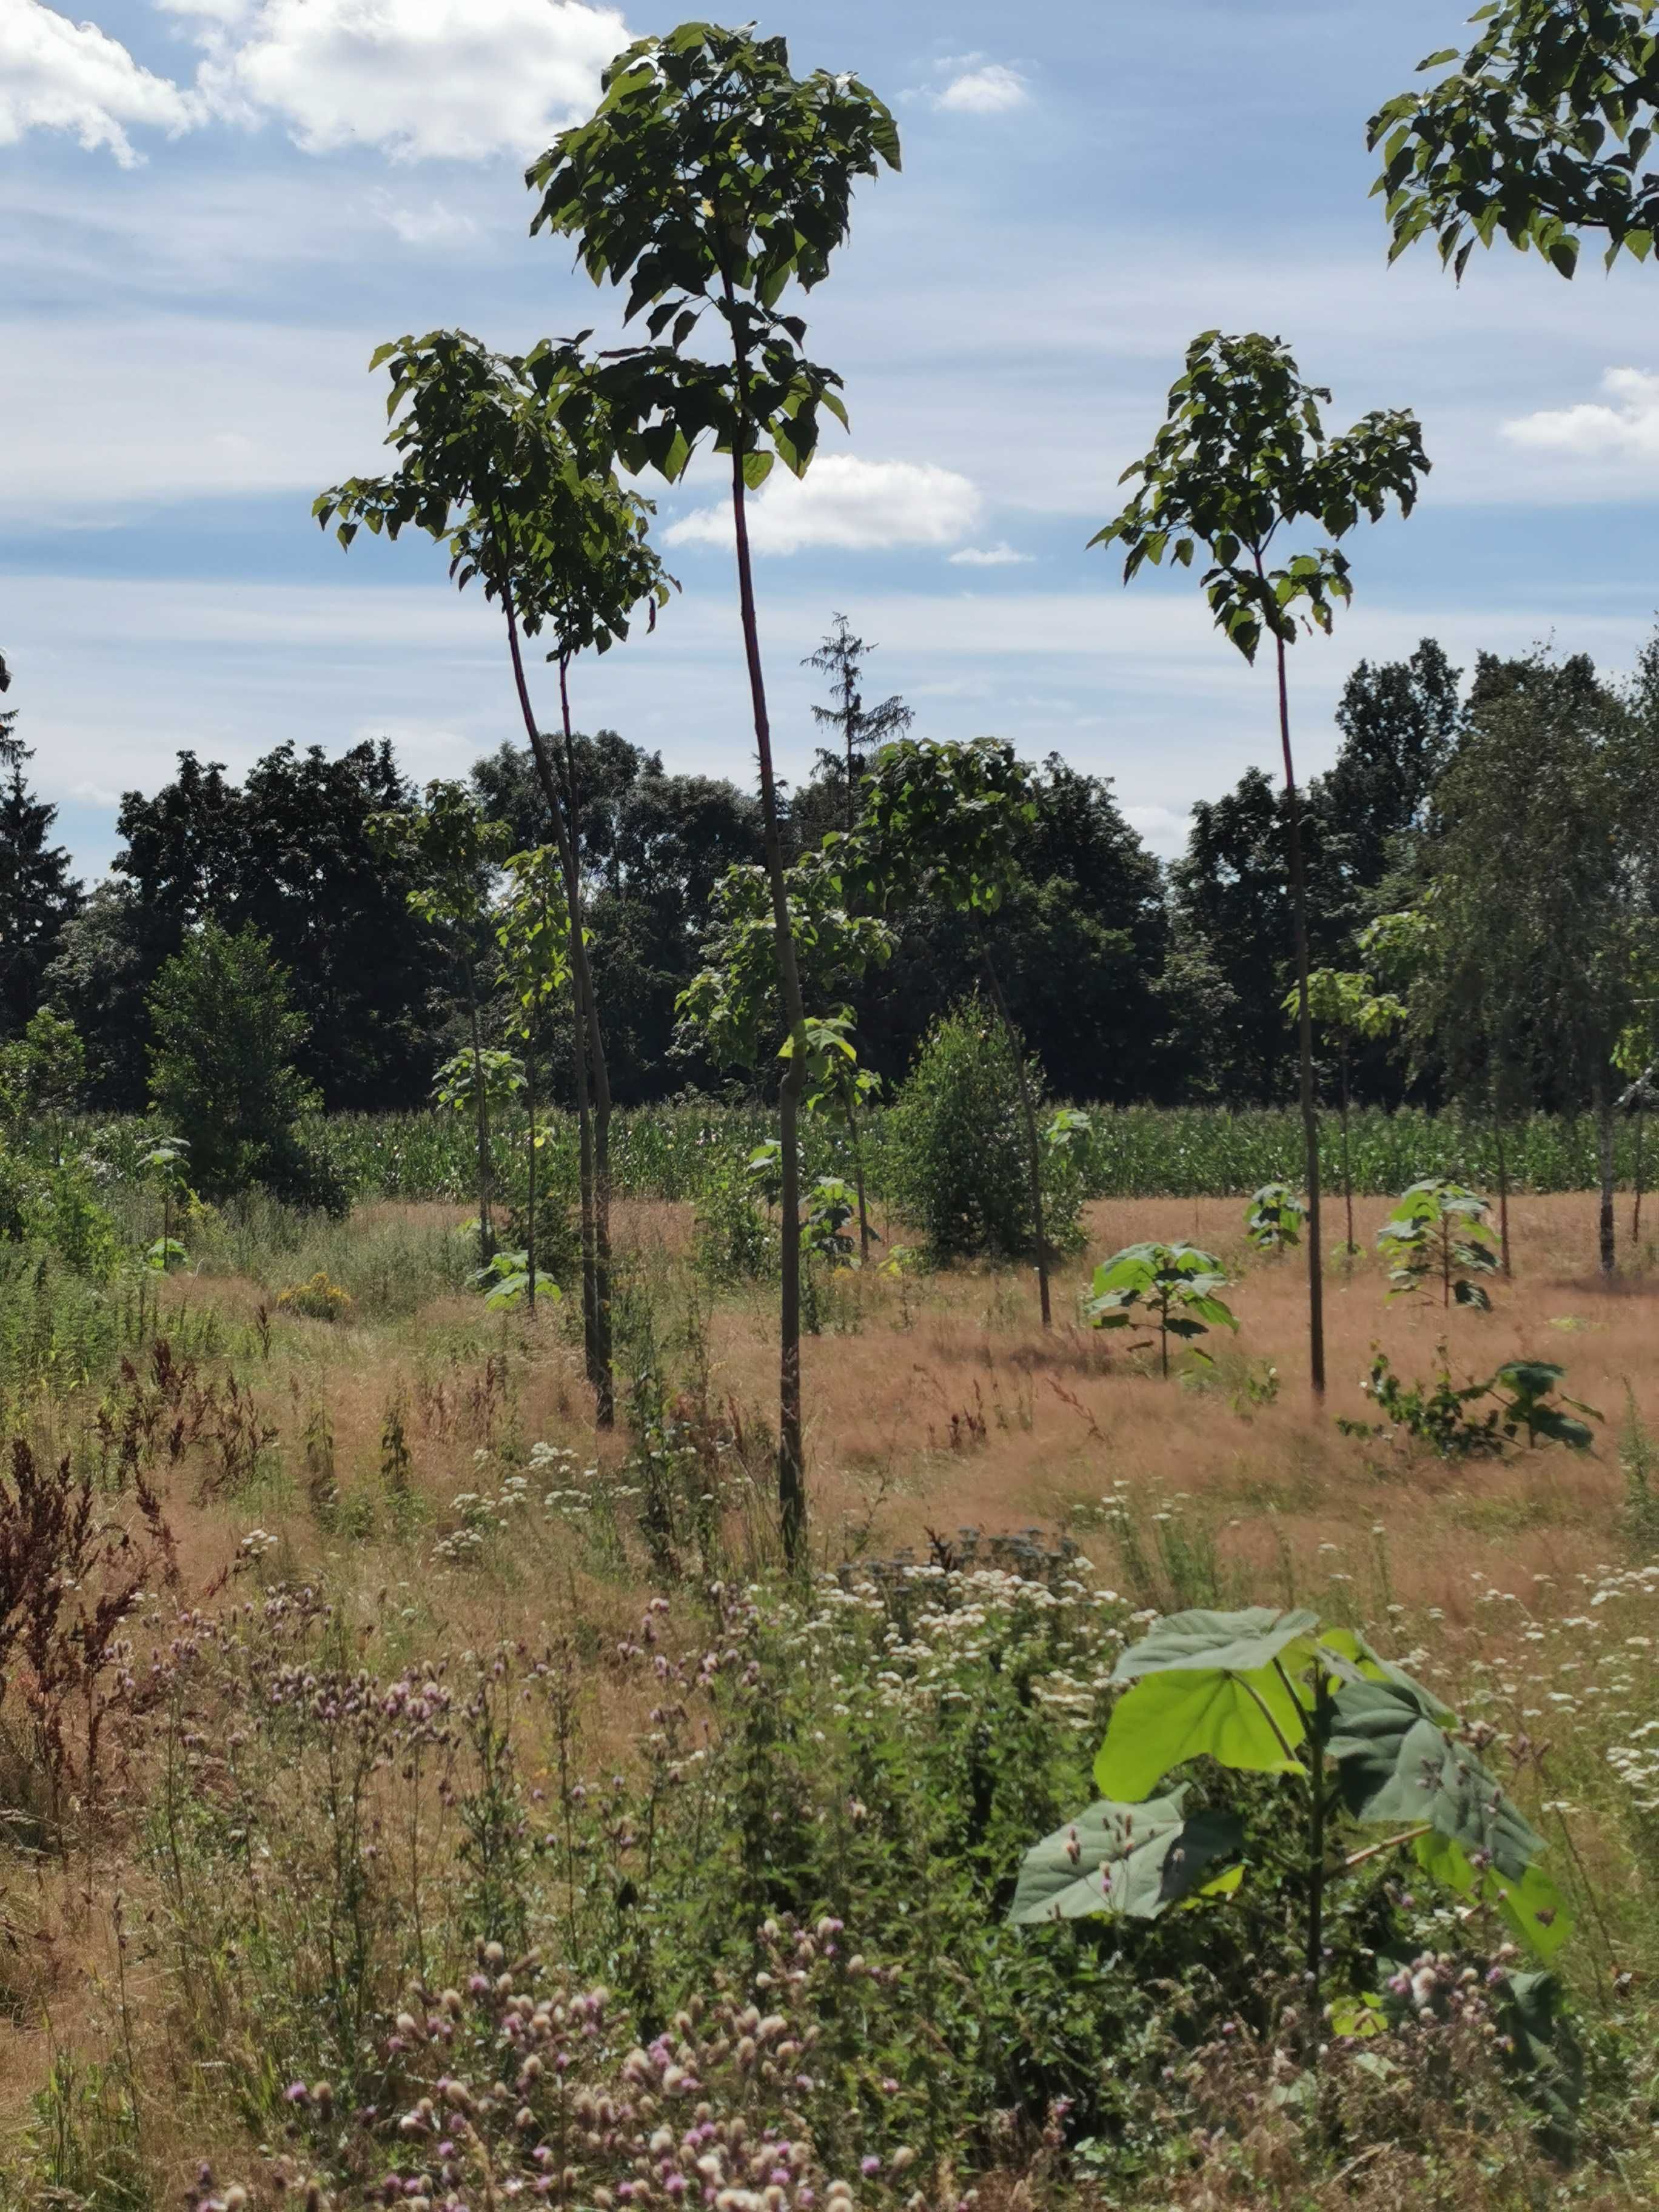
[1239, 1641]
[1133, 1860]
[1249, 1722]
[1529, 1904]
[1395, 1763]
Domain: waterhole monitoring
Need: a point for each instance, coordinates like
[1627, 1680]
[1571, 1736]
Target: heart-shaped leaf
[1133, 1860]
[1240, 1643]
[1247, 1721]
[1395, 1763]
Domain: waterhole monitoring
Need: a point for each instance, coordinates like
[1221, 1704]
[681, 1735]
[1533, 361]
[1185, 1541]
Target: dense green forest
[1130, 981]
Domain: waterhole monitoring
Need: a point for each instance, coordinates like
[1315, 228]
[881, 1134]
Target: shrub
[954, 1149]
[222, 1073]
[318, 1299]
[1444, 1414]
[1175, 1287]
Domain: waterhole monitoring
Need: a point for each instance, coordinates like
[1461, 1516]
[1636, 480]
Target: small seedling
[1440, 1232]
[1275, 1220]
[1174, 1285]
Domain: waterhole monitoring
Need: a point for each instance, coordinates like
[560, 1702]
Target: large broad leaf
[1250, 1720]
[1366, 1664]
[1133, 1860]
[1530, 1904]
[1240, 1643]
[1544, 2050]
[1395, 1763]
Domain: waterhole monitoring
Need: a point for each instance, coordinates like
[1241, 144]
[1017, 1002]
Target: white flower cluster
[917, 1640]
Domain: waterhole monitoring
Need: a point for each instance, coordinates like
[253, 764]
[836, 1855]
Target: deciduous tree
[709, 180]
[1243, 459]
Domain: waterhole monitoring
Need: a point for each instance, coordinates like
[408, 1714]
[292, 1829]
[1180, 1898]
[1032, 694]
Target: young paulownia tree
[1242, 460]
[1541, 131]
[707, 181]
[1348, 1008]
[562, 550]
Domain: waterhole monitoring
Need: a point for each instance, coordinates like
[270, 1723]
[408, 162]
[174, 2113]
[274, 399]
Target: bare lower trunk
[1604, 1141]
[530, 1217]
[585, 1179]
[1304, 1034]
[604, 1386]
[857, 1142]
[1033, 1148]
[587, 1023]
[481, 1113]
[1503, 1199]
[792, 1470]
[1347, 1162]
[1635, 1210]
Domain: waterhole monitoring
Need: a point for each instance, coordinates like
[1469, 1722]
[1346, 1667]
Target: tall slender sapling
[1242, 460]
[563, 549]
[709, 180]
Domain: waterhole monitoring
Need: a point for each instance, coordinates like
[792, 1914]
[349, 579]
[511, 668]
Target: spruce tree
[38, 895]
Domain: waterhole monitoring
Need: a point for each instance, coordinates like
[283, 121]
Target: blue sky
[211, 210]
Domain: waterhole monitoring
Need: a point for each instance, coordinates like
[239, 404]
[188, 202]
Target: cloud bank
[861, 507]
[1623, 427]
[59, 76]
[455, 80]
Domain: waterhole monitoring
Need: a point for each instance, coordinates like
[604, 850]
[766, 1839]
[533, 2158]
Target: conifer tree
[38, 894]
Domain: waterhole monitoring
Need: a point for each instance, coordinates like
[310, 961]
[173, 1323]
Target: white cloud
[59, 76]
[1163, 828]
[989, 88]
[1000, 555]
[434, 224]
[862, 506]
[420, 79]
[1624, 428]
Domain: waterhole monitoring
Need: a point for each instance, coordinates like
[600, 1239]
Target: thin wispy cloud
[1002, 555]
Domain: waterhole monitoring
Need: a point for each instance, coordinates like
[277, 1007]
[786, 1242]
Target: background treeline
[1130, 981]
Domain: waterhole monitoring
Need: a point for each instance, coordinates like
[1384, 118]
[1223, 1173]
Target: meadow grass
[440, 1668]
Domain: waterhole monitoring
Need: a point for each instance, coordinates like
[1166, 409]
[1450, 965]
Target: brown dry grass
[1067, 1415]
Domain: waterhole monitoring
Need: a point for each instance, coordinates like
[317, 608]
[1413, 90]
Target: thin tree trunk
[604, 1373]
[1033, 1149]
[1636, 1211]
[1503, 1197]
[481, 1110]
[585, 1172]
[530, 1219]
[792, 1471]
[1347, 1164]
[1604, 1136]
[1304, 1032]
[857, 1176]
[588, 1019]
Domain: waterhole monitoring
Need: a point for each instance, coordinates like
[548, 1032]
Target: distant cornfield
[670, 1151]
